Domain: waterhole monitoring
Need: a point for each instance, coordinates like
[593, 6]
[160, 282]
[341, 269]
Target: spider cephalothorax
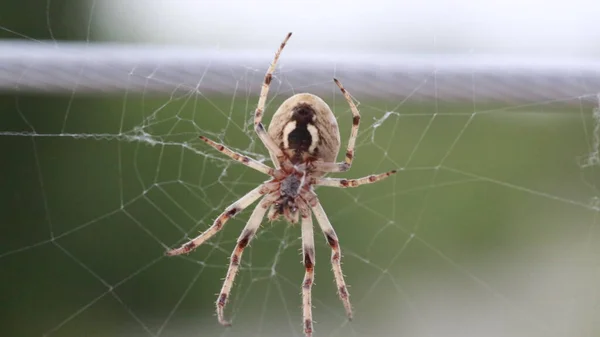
[289, 190]
[305, 128]
[303, 141]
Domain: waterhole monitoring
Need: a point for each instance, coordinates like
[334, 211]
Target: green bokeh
[507, 179]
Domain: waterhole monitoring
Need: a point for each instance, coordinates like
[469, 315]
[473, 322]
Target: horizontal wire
[59, 68]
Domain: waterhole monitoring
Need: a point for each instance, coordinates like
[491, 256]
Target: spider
[303, 141]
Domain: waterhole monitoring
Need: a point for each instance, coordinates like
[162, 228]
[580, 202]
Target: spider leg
[347, 163]
[244, 239]
[336, 253]
[229, 212]
[258, 113]
[308, 256]
[240, 158]
[343, 183]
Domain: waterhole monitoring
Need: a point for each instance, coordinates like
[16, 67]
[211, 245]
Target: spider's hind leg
[260, 109]
[347, 163]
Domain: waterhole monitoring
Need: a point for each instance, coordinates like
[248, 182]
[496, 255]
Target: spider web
[490, 227]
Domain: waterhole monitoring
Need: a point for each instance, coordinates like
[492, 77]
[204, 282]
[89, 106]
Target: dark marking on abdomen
[300, 139]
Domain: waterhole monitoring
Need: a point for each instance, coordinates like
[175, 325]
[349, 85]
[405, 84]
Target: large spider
[303, 141]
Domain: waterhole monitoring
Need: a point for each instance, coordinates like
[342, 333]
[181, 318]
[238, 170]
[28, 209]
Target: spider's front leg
[308, 258]
[336, 253]
[244, 239]
[229, 212]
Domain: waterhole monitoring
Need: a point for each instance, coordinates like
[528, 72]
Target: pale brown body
[327, 145]
[303, 141]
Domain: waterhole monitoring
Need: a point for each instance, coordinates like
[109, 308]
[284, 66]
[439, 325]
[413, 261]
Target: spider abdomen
[305, 128]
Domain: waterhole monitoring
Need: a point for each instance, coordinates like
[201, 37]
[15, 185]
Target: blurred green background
[489, 229]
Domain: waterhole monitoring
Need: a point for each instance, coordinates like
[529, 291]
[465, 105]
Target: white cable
[112, 68]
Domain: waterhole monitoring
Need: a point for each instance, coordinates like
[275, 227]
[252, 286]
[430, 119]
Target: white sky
[566, 28]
